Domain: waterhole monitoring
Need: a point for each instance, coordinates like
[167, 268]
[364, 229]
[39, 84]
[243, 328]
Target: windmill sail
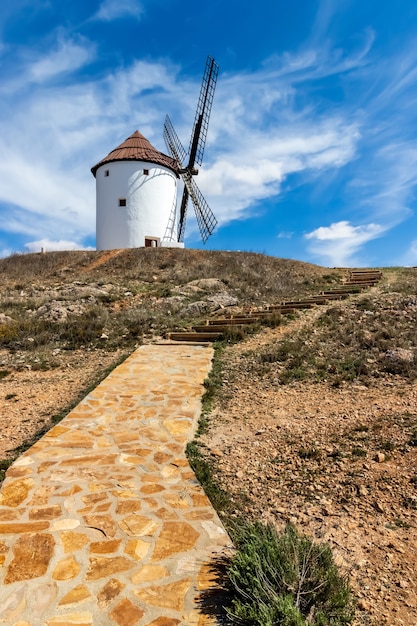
[173, 143]
[205, 217]
[202, 116]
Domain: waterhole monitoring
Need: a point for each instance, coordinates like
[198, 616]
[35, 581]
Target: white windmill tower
[136, 185]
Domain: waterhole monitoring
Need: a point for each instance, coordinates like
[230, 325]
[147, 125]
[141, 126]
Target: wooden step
[289, 307]
[319, 301]
[361, 283]
[236, 321]
[218, 328]
[192, 336]
[347, 290]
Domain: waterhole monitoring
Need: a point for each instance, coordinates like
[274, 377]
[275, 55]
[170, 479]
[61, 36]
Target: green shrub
[286, 579]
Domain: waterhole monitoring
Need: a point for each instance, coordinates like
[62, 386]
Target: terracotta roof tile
[137, 148]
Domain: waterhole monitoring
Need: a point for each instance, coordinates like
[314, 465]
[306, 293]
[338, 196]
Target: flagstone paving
[102, 521]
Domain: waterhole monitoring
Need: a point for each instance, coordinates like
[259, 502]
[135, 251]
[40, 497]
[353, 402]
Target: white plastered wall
[149, 201]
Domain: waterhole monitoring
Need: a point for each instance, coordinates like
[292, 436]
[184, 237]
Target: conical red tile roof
[137, 148]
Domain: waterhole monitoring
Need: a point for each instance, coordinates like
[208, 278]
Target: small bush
[309, 453]
[358, 451]
[286, 579]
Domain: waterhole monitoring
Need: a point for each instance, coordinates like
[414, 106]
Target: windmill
[205, 217]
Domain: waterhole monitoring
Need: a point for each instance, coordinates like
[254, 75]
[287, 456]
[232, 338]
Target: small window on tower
[107, 173]
[122, 201]
[146, 172]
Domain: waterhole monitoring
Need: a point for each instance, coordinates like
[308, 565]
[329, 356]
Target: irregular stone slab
[71, 619]
[174, 537]
[138, 525]
[31, 556]
[16, 492]
[103, 523]
[149, 573]
[66, 569]
[73, 541]
[43, 596]
[103, 567]
[78, 594]
[13, 606]
[45, 513]
[105, 547]
[171, 596]
[126, 613]
[137, 549]
[110, 591]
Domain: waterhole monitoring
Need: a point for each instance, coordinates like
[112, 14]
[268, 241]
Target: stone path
[102, 521]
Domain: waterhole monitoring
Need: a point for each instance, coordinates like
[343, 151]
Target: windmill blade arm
[183, 215]
[205, 216]
[202, 116]
[173, 143]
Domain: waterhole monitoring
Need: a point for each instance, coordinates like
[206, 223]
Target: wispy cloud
[115, 9]
[39, 69]
[340, 242]
[48, 245]
[69, 56]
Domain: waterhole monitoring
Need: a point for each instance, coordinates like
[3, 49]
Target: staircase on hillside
[237, 324]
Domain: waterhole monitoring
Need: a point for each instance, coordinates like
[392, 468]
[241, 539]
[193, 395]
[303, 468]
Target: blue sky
[312, 146]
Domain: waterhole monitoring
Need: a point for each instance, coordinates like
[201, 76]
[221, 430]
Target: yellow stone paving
[102, 521]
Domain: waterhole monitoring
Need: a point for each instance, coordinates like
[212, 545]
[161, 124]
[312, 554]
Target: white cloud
[256, 162]
[48, 246]
[115, 9]
[68, 57]
[339, 243]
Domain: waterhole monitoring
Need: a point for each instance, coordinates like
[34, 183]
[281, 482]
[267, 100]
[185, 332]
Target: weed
[397, 522]
[388, 445]
[286, 579]
[358, 451]
[212, 385]
[205, 475]
[361, 428]
[4, 373]
[10, 396]
[309, 453]
[4, 466]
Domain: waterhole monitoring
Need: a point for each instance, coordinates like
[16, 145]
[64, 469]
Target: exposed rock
[221, 300]
[5, 319]
[380, 457]
[201, 307]
[207, 284]
[57, 311]
[400, 355]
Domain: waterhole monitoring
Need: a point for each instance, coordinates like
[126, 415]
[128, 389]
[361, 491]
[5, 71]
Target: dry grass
[121, 298]
[364, 340]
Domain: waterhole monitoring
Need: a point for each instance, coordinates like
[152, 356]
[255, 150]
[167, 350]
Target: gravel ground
[335, 461]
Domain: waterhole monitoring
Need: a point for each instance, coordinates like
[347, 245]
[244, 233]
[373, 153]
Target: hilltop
[314, 421]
